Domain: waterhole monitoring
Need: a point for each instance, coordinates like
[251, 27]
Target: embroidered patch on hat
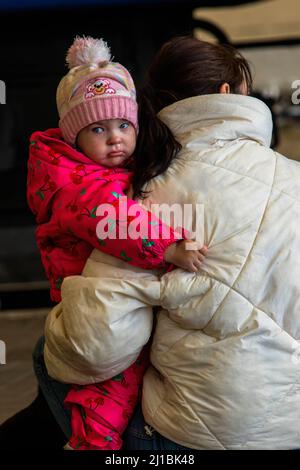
[97, 87]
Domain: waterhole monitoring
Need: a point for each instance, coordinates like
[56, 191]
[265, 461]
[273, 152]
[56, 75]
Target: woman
[224, 372]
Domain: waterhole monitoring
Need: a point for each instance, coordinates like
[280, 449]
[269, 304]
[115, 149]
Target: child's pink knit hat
[94, 89]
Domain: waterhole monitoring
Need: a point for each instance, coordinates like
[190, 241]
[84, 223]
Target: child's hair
[182, 68]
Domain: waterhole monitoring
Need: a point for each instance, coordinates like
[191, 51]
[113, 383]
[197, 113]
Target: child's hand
[184, 256]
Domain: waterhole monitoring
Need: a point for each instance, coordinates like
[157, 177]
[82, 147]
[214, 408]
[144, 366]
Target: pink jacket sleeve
[93, 212]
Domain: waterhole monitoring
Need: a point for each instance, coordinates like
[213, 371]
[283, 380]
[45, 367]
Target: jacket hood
[52, 165]
[218, 118]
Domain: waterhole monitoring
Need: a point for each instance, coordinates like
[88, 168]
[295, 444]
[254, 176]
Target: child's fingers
[192, 245]
[189, 265]
[204, 250]
[197, 264]
[201, 257]
[193, 269]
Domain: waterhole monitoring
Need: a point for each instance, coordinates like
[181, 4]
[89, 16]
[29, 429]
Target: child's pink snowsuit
[64, 190]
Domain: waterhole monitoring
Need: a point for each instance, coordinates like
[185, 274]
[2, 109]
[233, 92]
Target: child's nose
[114, 138]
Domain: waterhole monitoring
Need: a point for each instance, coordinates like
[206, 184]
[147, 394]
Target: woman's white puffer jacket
[225, 354]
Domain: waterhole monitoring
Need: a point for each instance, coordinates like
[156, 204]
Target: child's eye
[98, 130]
[124, 125]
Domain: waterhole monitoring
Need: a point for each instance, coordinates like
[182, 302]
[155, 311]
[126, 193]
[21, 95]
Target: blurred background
[33, 45]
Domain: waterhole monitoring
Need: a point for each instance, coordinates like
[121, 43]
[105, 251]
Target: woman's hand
[186, 255]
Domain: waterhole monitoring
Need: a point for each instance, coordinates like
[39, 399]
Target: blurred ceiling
[28, 4]
[258, 21]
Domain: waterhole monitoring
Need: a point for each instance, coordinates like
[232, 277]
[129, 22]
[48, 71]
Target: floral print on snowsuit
[64, 190]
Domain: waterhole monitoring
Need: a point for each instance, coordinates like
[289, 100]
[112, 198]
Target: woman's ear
[224, 88]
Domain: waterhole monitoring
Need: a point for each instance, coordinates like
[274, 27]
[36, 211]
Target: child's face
[109, 143]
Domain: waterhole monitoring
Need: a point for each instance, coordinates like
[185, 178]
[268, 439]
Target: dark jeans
[54, 391]
[140, 436]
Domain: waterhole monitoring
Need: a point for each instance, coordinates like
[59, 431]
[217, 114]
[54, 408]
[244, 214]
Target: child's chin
[116, 161]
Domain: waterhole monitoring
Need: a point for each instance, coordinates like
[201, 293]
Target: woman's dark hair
[182, 68]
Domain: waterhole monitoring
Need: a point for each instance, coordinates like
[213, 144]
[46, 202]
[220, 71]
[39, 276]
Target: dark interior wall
[32, 59]
[33, 45]
[32, 63]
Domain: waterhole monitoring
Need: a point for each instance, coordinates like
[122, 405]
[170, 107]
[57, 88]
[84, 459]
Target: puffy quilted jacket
[225, 368]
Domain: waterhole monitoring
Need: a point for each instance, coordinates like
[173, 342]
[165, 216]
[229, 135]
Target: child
[71, 172]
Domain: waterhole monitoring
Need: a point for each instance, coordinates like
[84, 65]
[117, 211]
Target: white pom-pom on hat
[87, 50]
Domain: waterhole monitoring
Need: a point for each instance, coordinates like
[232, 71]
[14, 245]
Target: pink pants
[100, 412]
